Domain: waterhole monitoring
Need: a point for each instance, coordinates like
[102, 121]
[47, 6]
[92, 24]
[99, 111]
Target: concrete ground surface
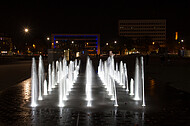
[166, 88]
[11, 74]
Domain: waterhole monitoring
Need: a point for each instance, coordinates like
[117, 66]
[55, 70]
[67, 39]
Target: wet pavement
[12, 74]
[165, 106]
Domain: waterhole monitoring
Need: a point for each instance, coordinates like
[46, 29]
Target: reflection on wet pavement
[26, 89]
[15, 108]
[152, 86]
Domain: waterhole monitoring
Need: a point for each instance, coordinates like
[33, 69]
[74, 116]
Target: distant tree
[142, 45]
[124, 43]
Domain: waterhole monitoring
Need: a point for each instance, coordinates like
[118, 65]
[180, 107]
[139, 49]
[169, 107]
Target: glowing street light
[115, 42]
[72, 42]
[34, 46]
[182, 40]
[26, 30]
[106, 43]
[48, 38]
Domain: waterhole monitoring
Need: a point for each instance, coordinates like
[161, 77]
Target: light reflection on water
[64, 115]
[152, 86]
[26, 89]
[152, 83]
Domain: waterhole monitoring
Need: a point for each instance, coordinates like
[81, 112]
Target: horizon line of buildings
[139, 31]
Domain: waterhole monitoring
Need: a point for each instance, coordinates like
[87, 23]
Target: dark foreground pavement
[165, 105]
[12, 74]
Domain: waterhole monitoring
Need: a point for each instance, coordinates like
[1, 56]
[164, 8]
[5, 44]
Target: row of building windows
[76, 41]
[141, 27]
[152, 39]
[91, 48]
[143, 33]
[124, 34]
[77, 44]
[142, 23]
[132, 30]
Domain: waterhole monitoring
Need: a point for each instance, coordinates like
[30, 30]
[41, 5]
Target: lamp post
[182, 45]
[26, 31]
[49, 44]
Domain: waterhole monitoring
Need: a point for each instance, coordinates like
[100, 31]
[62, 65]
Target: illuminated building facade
[83, 43]
[138, 30]
[5, 43]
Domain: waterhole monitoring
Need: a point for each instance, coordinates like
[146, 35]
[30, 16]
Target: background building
[82, 43]
[144, 32]
[6, 45]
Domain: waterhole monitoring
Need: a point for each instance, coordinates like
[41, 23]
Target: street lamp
[72, 42]
[26, 30]
[106, 43]
[34, 46]
[48, 38]
[115, 42]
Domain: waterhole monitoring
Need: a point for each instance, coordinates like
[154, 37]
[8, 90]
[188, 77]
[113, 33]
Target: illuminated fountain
[45, 87]
[88, 82]
[57, 70]
[70, 76]
[131, 87]
[109, 74]
[64, 88]
[142, 73]
[61, 104]
[106, 72]
[53, 75]
[62, 75]
[100, 66]
[34, 82]
[67, 76]
[121, 74]
[116, 72]
[49, 78]
[115, 93]
[126, 77]
[137, 80]
[65, 80]
[40, 77]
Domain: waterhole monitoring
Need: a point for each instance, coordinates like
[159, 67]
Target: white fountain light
[131, 87]
[142, 72]
[115, 94]
[64, 88]
[61, 104]
[34, 83]
[40, 77]
[137, 76]
[45, 87]
[126, 77]
[49, 78]
[53, 75]
[88, 82]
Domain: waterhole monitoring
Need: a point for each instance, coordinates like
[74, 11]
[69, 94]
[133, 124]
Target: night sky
[51, 16]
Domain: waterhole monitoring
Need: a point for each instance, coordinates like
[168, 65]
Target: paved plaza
[165, 105]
